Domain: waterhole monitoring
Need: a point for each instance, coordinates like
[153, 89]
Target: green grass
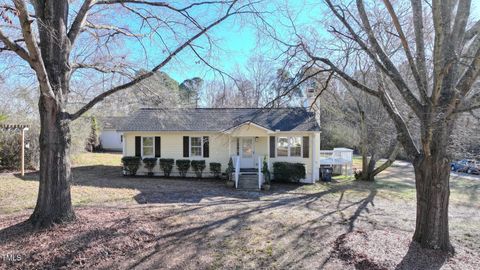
[17, 194]
[92, 159]
[97, 181]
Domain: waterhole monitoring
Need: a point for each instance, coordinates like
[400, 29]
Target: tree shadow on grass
[422, 259]
[161, 190]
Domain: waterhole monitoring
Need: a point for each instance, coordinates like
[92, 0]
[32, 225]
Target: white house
[110, 138]
[247, 135]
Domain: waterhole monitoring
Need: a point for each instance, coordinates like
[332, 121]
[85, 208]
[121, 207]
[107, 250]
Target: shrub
[149, 164]
[215, 168]
[167, 165]
[290, 172]
[266, 171]
[229, 169]
[131, 165]
[183, 165]
[198, 166]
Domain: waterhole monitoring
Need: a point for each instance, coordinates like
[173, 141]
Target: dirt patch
[386, 249]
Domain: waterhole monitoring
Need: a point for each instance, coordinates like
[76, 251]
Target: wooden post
[22, 169]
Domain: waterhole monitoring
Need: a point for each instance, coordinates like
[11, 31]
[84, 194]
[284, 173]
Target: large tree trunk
[54, 200]
[432, 177]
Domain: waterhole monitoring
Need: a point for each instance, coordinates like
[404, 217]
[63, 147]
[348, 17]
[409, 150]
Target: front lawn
[147, 223]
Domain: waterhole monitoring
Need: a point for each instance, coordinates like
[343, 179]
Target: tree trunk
[432, 176]
[54, 199]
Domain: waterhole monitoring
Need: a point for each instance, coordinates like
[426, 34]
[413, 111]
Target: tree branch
[12, 46]
[472, 32]
[413, 67]
[36, 61]
[392, 71]
[80, 20]
[156, 68]
[419, 41]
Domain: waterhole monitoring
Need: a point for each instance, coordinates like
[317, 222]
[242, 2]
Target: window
[147, 146]
[289, 146]
[282, 147]
[196, 146]
[295, 146]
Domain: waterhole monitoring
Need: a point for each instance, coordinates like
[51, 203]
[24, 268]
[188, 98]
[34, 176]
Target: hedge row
[288, 172]
[132, 164]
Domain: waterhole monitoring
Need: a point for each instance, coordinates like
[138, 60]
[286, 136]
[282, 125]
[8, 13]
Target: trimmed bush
[198, 166]
[215, 168]
[149, 164]
[289, 172]
[230, 169]
[131, 165]
[166, 164]
[183, 165]
[266, 171]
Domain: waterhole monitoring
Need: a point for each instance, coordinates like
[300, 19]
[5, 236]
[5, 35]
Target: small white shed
[110, 138]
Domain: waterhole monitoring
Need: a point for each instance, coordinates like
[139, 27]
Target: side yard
[142, 223]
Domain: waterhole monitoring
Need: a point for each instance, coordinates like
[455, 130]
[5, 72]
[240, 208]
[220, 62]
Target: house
[110, 138]
[216, 134]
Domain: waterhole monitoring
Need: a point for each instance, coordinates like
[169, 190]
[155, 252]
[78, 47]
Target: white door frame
[247, 162]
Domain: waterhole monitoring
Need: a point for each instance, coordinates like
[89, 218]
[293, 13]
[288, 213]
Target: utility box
[326, 173]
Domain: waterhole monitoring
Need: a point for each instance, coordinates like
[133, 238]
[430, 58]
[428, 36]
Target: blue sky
[238, 43]
[236, 40]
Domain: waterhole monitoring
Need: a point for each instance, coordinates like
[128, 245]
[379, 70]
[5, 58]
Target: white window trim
[288, 147]
[153, 147]
[190, 147]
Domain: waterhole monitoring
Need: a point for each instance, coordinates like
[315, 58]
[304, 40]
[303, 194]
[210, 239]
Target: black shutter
[186, 144]
[306, 146]
[206, 146]
[272, 146]
[157, 147]
[238, 146]
[138, 146]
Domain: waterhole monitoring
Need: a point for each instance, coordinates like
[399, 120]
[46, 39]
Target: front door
[247, 152]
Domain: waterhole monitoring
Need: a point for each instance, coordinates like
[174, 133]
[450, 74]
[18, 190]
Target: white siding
[172, 147]
[111, 140]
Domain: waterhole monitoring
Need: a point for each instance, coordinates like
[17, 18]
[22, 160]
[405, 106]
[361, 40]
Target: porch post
[229, 146]
[22, 166]
[312, 138]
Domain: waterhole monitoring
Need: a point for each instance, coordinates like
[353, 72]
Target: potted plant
[266, 174]
[228, 172]
[149, 164]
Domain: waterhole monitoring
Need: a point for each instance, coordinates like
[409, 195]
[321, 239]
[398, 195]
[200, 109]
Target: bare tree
[41, 35]
[435, 98]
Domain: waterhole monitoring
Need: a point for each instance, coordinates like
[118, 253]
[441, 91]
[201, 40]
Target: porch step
[248, 181]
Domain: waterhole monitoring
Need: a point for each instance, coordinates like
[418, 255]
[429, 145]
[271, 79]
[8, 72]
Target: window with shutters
[282, 147]
[295, 146]
[147, 147]
[196, 146]
[289, 146]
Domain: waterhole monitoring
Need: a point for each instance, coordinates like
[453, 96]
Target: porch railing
[237, 170]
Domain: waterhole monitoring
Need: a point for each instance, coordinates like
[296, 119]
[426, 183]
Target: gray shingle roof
[112, 122]
[219, 119]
